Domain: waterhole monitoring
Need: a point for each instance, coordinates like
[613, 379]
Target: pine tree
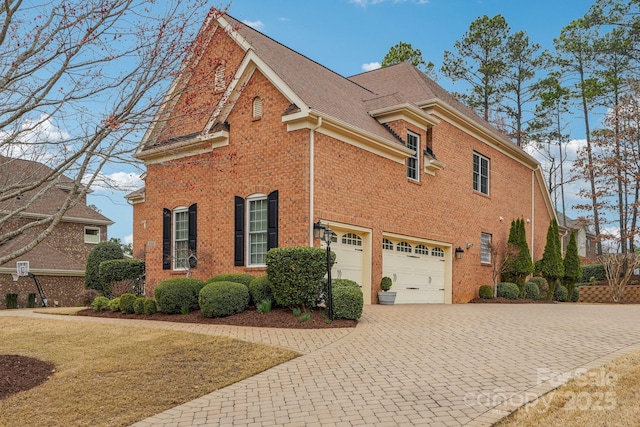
[551, 265]
[572, 267]
[521, 265]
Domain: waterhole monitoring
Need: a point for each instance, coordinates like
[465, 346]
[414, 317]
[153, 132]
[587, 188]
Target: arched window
[352, 239]
[437, 252]
[403, 247]
[387, 245]
[422, 250]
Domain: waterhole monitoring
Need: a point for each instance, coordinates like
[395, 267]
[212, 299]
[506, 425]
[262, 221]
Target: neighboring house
[585, 238]
[414, 184]
[59, 261]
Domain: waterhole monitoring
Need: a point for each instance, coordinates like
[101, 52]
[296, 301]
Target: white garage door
[417, 271]
[349, 257]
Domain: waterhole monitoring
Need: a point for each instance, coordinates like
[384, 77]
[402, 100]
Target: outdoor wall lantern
[459, 252]
[325, 233]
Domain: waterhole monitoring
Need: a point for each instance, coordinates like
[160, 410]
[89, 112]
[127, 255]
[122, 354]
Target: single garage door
[349, 257]
[417, 271]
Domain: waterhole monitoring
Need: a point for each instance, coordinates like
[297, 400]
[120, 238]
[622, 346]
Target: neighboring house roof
[573, 224]
[24, 172]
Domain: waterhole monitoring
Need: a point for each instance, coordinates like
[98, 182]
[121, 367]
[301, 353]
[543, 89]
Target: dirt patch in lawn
[20, 373]
[276, 318]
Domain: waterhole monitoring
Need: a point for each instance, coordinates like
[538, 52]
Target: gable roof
[21, 173]
[573, 224]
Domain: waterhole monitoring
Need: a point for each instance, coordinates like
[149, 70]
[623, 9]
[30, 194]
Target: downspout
[533, 211]
[312, 141]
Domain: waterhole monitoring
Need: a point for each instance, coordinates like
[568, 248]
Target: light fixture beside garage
[325, 233]
[459, 252]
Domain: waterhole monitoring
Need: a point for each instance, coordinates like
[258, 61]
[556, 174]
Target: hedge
[244, 278]
[508, 290]
[260, 290]
[348, 300]
[117, 270]
[595, 271]
[178, 295]
[103, 251]
[485, 292]
[219, 299]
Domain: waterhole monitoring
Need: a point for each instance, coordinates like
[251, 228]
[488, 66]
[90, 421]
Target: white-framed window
[257, 107]
[180, 238]
[421, 250]
[480, 173]
[413, 162]
[352, 239]
[403, 247]
[485, 248]
[257, 211]
[219, 83]
[92, 235]
[437, 252]
[387, 245]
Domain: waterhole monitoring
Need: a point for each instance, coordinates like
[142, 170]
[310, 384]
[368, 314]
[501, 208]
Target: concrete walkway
[432, 365]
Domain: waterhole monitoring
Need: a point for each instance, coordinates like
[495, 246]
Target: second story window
[413, 163]
[480, 174]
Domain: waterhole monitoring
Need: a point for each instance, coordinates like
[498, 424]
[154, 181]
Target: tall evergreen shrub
[551, 264]
[572, 267]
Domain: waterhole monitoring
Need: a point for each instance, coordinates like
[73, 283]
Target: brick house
[59, 261]
[585, 238]
[413, 183]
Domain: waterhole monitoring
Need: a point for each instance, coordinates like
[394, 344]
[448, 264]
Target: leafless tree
[80, 83]
[619, 268]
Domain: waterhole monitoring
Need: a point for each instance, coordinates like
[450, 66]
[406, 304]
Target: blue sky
[348, 36]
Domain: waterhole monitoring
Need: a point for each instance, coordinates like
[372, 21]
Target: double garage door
[417, 270]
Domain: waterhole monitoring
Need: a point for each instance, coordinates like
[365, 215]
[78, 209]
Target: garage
[349, 250]
[416, 269]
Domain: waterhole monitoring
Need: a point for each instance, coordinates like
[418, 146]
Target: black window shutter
[238, 231]
[193, 235]
[272, 220]
[166, 239]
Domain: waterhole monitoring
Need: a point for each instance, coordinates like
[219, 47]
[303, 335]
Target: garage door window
[352, 239]
[403, 247]
[422, 250]
[437, 252]
[387, 245]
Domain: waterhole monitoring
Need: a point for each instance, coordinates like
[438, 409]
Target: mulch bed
[276, 318]
[20, 373]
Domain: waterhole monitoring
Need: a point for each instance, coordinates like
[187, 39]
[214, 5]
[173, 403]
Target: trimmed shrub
[561, 294]
[178, 295]
[103, 251]
[531, 291]
[12, 300]
[244, 278]
[126, 303]
[125, 270]
[100, 303]
[593, 273]
[31, 303]
[295, 274]
[219, 299]
[486, 292]
[260, 290]
[138, 305]
[150, 306]
[508, 290]
[575, 295]
[543, 286]
[348, 300]
[114, 304]
[385, 283]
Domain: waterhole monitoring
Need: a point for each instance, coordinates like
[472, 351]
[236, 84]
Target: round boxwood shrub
[126, 303]
[138, 305]
[243, 278]
[531, 291]
[114, 304]
[348, 300]
[260, 290]
[219, 299]
[385, 283]
[575, 296]
[295, 274]
[486, 292]
[561, 294]
[508, 290]
[100, 303]
[150, 306]
[178, 295]
[543, 286]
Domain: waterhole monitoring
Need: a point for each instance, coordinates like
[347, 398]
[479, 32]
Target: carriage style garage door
[417, 271]
[349, 256]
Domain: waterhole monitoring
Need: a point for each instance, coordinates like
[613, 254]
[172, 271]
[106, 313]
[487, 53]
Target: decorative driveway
[432, 365]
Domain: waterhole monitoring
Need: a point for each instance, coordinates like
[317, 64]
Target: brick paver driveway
[422, 365]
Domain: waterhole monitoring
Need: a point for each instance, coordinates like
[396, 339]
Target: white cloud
[118, 181]
[128, 239]
[33, 140]
[370, 66]
[257, 25]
